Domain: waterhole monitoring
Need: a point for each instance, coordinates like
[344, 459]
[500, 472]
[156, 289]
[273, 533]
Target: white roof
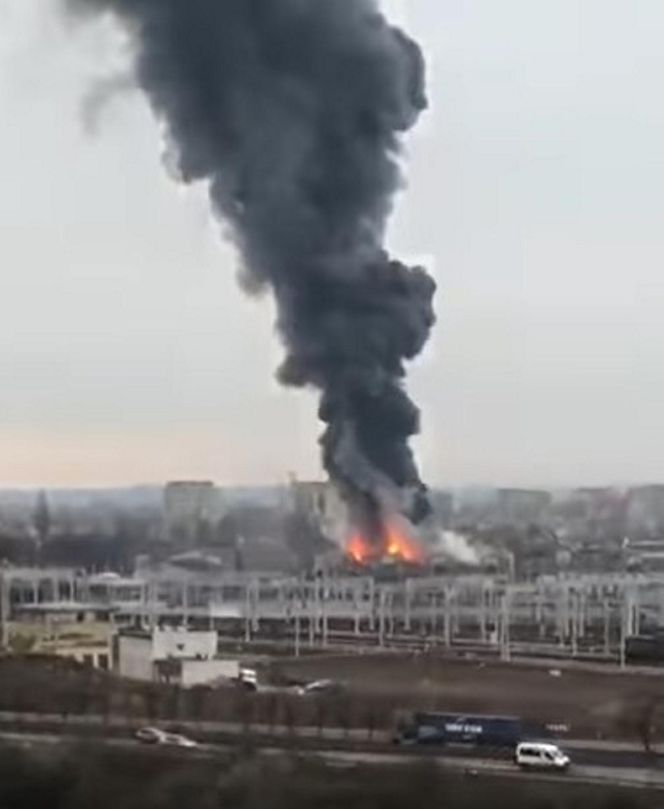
[551, 748]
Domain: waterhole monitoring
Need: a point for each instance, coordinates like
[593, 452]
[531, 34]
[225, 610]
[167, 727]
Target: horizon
[450, 487]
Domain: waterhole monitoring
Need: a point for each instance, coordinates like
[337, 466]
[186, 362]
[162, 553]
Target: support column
[5, 584]
[185, 605]
[561, 614]
[631, 611]
[624, 618]
[381, 617]
[583, 613]
[483, 611]
[448, 616]
[372, 601]
[152, 605]
[325, 627]
[407, 594]
[455, 613]
[607, 627]
[255, 604]
[432, 614]
[247, 611]
[505, 652]
[539, 614]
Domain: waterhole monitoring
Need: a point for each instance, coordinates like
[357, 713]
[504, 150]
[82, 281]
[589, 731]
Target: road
[604, 775]
[636, 777]
[588, 752]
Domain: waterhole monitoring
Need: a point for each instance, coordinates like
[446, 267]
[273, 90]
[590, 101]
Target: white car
[156, 736]
[150, 735]
[540, 755]
[177, 740]
[319, 687]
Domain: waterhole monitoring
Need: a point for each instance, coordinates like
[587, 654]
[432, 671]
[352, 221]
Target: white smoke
[457, 546]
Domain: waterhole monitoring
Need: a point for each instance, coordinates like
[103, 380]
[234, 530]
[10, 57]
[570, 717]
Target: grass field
[590, 702]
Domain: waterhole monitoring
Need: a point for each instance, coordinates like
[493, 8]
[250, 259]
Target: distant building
[41, 519]
[596, 502]
[320, 503]
[522, 506]
[645, 509]
[190, 509]
[592, 513]
[442, 503]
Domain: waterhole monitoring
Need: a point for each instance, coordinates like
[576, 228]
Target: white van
[540, 755]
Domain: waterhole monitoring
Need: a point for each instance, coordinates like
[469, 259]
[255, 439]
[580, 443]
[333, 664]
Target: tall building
[190, 508]
[41, 519]
[320, 503]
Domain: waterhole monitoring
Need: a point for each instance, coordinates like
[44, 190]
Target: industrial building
[564, 614]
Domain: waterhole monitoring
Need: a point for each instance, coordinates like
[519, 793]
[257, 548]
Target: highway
[608, 774]
[588, 752]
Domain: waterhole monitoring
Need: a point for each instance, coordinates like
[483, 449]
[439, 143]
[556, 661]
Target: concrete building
[179, 656]
[191, 508]
[320, 503]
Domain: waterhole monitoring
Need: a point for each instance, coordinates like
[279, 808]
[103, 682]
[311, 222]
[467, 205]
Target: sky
[535, 195]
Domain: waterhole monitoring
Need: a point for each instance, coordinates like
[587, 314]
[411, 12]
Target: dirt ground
[596, 703]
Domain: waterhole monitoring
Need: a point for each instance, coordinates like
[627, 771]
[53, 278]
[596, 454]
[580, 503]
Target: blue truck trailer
[473, 730]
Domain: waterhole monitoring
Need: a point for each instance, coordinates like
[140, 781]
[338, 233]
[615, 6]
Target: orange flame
[396, 545]
[402, 547]
[359, 549]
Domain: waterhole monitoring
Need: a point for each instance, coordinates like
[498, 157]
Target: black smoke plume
[292, 111]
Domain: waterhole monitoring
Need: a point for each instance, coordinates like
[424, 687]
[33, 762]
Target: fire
[396, 545]
[402, 547]
[359, 549]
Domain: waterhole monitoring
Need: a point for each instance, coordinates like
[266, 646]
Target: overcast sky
[536, 196]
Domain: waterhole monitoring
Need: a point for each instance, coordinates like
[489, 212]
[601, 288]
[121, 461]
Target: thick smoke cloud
[292, 112]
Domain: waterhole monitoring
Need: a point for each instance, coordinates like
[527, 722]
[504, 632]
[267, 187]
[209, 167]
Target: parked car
[538, 755]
